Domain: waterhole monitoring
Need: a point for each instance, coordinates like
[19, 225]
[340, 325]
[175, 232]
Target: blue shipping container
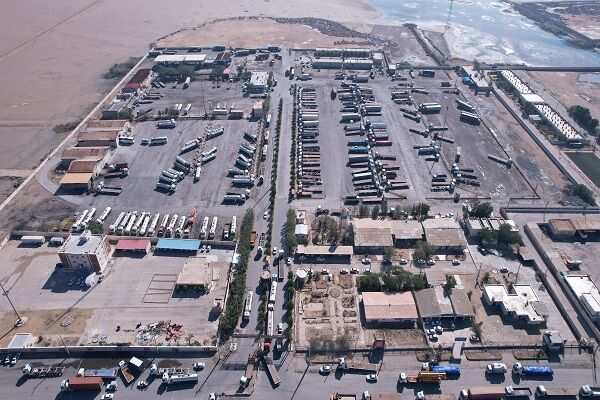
[448, 369]
[359, 142]
[532, 370]
[358, 150]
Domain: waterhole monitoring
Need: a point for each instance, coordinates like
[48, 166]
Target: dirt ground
[408, 50]
[45, 323]
[251, 33]
[396, 337]
[566, 87]
[7, 185]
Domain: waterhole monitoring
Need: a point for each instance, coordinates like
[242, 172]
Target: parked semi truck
[81, 383]
[42, 372]
[520, 369]
[422, 377]
[589, 391]
[490, 392]
[564, 393]
[169, 379]
[357, 366]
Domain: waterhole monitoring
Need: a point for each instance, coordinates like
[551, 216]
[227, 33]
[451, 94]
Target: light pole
[19, 319]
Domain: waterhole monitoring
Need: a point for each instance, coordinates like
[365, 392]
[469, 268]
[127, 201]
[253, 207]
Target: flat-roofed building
[328, 52]
[76, 181]
[98, 154]
[378, 59]
[177, 59]
[523, 305]
[476, 225]
[118, 125]
[439, 304]
[198, 273]
[85, 251]
[477, 80]
[587, 292]
[358, 63]
[98, 139]
[571, 227]
[258, 82]
[356, 53]
[445, 234]
[373, 236]
[223, 58]
[342, 253]
[328, 63]
[389, 308]
[85, 166]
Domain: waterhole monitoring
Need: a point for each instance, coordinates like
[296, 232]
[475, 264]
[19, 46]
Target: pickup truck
[512, 391]
[496, 368]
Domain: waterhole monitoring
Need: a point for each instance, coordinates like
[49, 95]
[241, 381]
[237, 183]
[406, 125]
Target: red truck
[491, 392]
[81, 383]
[253, 239]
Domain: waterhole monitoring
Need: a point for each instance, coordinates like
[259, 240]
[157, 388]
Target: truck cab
[496, 368]
[589, 391]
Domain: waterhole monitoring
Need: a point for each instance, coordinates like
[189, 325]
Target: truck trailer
[520, 369]
[81, 383]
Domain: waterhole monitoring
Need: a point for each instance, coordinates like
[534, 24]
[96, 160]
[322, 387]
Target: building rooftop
[443, 232]
[98, 135]
[180, 58]
[132, 244]
[105, 125]
[325, 250]
[93, 153]
[520, 303]
[84, 243]
[516, 82]
[461, 304]
[177, 244]
[301, 229]
[586, 290]
[196, 271]
[435, 303]
[76, 178]
[259, 78]
[381, 233]
[140, 76]
[389, 306]
[80, 166]
[427, 303]
[571, 225]
[558, 122]
[533, 98]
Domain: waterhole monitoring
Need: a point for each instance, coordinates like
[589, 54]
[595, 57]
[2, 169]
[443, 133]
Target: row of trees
[273, 191]
[394, 279]
[418, 211]
[329, 230]
[237, 288]
[121, 69]
[583, 117]
[289, 231]
[504, 235]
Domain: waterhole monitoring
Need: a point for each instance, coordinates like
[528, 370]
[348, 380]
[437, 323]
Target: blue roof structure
[178, 244]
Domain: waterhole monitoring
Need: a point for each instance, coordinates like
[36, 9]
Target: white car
[504, 270]
[325, 271]
[142, 384]
[280, 327]
[455, 262]
[344, 271]
[403, 261]
[354, 271]
[325, 369]
[366, 261]
[496, 368]
[430, 262]
[372, 378]
[274, 251]
[288, 261]
[108, 396]
[433, 337]
[199, 366]
[212, 396]
[265, 215]
[208, 248]
[439, 330]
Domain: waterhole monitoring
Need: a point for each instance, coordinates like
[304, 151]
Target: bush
[369, 282]
[95, 227]
[583, 117]
[583, 192]
[121, 69]
[423, 251]
[507, 236]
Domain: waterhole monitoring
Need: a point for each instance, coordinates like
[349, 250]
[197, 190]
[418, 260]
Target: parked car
[433, 337]
[199, 366]
[288, 261]
[455, 262]
[366, 260]
[265, 215]
[15, 358]
[325, 369]
[274, 251]
[504, 270]
[325, 271]
[474, 338]
[108, 396]
[344, 271]
[439, 330]
[372, 378]
[280, 327]
[403, 261]
[430, 262]
[354, 270]
[142, 384]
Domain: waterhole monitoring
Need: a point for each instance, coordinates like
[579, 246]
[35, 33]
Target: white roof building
[523, 304]
[587, 293]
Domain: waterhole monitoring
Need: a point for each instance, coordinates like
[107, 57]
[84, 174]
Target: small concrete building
[523, 305]
[445, 234]
[339, 253]
[258, 82]
[85, 166]
[257, 109]
[378, 59]
[223, 58]
[196, 274]
[389, 308]
[357, 64]
[328, 63]
[85, 251]
[301, 232]
[437, 304]
[476, 225]
[122, 126]
[76, 181]
[477, 81]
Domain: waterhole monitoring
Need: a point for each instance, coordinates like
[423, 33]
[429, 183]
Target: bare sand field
[566, 87]
[53, 54]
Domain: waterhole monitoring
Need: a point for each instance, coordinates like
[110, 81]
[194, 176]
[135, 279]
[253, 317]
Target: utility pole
[19, 319]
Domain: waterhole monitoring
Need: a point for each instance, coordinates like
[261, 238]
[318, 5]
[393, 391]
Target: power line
[449, 16]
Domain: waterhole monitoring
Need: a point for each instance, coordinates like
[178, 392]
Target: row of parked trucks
[81, 223]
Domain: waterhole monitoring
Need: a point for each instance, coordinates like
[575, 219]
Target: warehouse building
[198, 274]
[356, 53]
[373, 236]
[85, 166]
[121, 126]
[98, 139]
[328, 52]
[99, 154]
[328, 63]
[437, 304]
[180, 59]
[587, 292]
[223, 58]
[445, 234]
[85, 251]
[569, 228]
[389, 308]
[356, 63]
[522, 306]
[132, 247]
[337, 253]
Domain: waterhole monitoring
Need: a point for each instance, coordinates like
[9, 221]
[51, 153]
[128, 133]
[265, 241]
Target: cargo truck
[342, 396]
[81, 383]
[127, 375]
[520, 369]
[564, 393]
[490, 392]
[179, 378]
[344, 365]
[589, 391]
[448, 369]
[42, 372]
[422, 377]
[512, 391]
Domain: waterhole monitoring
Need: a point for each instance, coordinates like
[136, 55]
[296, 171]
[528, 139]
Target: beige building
[85, 251]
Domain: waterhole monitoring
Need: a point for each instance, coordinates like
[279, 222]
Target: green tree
[507, 236]
[418, 282]
[363, 211]
[486, 278]
[369, 282]
[121, 69]
[375, 212]
[388, 252]
[398, 213]
[420, 210]
[95, 227]
[125, 113]
[289, 242]
[481, 210]
[487, 235]
[450, 282]
[584, 193]
[583, 117]
[384, 208]
[423, 250]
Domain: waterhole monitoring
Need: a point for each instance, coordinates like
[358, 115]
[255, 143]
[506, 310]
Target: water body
[489, 31]
[590, 78]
